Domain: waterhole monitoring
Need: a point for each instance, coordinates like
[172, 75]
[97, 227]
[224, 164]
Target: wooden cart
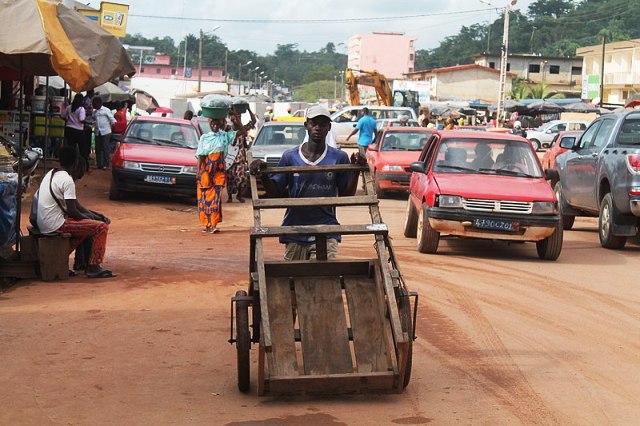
[324, 326]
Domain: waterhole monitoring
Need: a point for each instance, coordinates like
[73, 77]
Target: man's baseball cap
[317, 111]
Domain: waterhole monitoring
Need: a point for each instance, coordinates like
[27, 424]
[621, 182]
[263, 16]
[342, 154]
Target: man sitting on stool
[60, 211]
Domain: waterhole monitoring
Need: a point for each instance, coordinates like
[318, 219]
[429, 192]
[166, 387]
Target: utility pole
[200, 60]
[226, 58]
[604, 48]
[503, 61]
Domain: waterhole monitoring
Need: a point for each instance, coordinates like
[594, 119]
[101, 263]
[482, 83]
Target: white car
[543, 135]
[345, 120]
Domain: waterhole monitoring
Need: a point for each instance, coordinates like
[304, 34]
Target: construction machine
[382, 86]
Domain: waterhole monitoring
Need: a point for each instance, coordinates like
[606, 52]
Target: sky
[273, 22]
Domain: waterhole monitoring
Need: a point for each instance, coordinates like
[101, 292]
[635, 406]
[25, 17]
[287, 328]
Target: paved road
[503, 338]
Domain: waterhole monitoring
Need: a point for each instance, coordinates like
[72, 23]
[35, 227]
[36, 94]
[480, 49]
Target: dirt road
[503, 338]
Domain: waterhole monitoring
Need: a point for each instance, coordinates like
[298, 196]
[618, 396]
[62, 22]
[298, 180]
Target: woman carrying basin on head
[211, 152]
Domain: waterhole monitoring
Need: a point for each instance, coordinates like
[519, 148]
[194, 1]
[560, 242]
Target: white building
[621, 70]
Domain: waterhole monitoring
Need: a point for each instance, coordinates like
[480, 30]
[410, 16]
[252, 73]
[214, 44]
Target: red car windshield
[487, 156]
[162, 133]
[404, 141]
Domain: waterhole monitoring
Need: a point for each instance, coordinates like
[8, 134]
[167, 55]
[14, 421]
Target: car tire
[379, 191]
[536, 144]
[428, 239]
[567, 220]
[410, 220]
[605, 225]
[550, 247]
[114, 190]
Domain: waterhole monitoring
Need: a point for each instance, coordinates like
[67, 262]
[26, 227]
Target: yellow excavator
[384, 95]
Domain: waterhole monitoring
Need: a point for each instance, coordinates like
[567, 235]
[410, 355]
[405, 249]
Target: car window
[427, 154]
[568, 139]
[630, 131]
[603, 133]
[377, 138]
[486, 156]
[404, 141]
[162, 133]
[347, 116]
[282, 134]
[587, 137]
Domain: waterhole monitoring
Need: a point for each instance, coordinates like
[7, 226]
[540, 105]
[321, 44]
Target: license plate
[165, 180]
[496, 225]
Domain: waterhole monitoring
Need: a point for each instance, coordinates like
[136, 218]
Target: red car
[482, 185]
[156, 155]
[549, 158]
[390, 155]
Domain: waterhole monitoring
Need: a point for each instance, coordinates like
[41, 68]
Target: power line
[306, 21]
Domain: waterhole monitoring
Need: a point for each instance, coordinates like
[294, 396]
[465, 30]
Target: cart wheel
[404, 310]
[243, 342]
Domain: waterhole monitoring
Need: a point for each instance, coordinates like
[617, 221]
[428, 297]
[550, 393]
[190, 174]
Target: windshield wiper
[142, 139]
[506, 172]
[446, 166]
[171, 143]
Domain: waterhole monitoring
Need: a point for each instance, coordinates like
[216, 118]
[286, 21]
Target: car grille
[479, 205]
[272, 161]
[160, 168]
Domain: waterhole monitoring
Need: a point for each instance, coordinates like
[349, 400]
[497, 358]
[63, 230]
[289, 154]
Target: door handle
[594, 155]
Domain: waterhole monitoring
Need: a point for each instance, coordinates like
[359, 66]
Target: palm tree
[539, 91]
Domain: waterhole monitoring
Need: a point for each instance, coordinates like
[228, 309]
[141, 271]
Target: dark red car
[482, 185]
[390, 155]
[156, 155]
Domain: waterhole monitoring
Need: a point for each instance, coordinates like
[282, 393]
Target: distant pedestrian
[89, 122]
[74, 127]
[237, 172]
[367, 128]
[188, 115]
[104, 123]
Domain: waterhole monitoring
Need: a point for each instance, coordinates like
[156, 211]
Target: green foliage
[311, 92]
[552, 28]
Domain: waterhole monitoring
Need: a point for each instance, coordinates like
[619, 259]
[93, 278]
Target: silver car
[274, 138]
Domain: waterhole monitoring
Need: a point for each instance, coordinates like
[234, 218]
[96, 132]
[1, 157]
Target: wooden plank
[315, 169]
[321, 247]
[323, 326]
[281, 203]
[315, 268]
[332, 383]
[53, 255]
[276, 231]
[282, 358]
[398, 335]
[265, 335]
[367, 314]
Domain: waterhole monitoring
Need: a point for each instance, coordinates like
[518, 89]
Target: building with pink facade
[391, 54]
[162, 68]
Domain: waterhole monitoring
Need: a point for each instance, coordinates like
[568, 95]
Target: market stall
[43, 38]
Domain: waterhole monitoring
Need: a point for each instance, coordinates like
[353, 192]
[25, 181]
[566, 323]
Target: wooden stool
[53, 254]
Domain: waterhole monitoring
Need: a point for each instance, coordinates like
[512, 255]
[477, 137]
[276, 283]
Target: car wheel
[379, 191]
[550, 247]
[428, 239]
[114, 190]
[567, 220]
[605, 226]
[536, 144]
[410, 220]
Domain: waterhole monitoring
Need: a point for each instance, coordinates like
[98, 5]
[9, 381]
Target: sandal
[101, 273]
[214, 230]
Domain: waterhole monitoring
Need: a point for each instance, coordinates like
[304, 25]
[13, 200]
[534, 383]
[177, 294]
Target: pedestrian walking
[367, 128]
[104, 123]
[74, 115]
[237, 169]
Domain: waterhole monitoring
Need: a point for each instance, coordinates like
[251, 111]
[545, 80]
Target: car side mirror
[372, 147]
[568, 143]
[418, 167]
[552, 175]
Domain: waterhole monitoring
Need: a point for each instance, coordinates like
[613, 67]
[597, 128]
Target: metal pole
[200, 61]
[20, 152]
[46, 125]
[503, 64]
[184, 68]
[604, 48]
[335, 87]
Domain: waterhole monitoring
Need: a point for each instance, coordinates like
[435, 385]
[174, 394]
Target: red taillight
[633, 163]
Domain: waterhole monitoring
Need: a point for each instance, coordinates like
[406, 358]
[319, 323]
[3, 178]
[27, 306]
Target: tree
[320, 72]
[554, 8]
